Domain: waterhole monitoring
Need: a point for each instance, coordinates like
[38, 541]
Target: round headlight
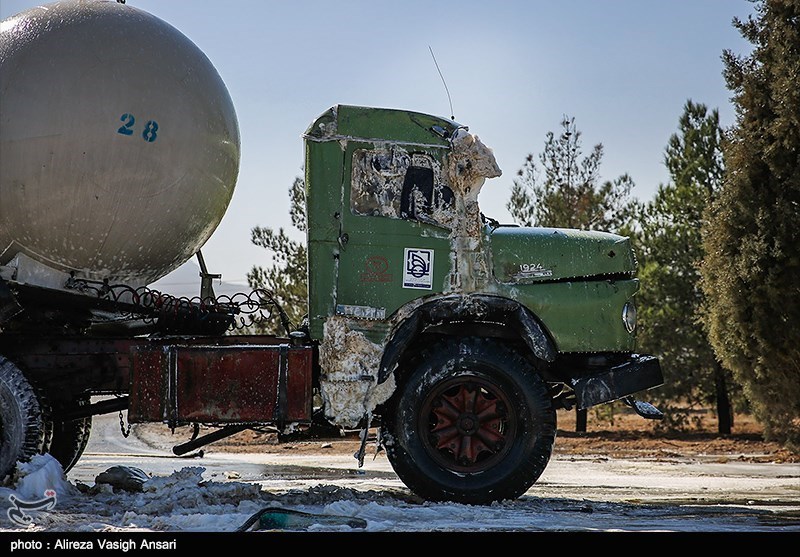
[629, 316]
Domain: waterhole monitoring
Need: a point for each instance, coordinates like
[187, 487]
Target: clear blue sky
[622, 68]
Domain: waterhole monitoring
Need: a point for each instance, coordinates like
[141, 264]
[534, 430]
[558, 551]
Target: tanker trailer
[119, 154]
[119, 143]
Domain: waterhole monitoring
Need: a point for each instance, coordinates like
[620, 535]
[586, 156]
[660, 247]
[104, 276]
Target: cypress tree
[751, 273]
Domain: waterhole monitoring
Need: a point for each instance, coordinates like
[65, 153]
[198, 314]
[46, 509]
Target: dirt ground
[629, 436]
[623, 435]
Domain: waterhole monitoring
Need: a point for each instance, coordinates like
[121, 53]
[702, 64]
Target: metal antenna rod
[452, 116]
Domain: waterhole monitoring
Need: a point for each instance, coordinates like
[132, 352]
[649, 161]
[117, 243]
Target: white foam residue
[350, 362]
[181, 501]
[184, 501]
[470, 164]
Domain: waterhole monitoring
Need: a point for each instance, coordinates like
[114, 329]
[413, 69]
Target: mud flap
[644, 409]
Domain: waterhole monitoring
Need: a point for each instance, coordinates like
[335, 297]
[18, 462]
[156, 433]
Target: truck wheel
[70, 438]
[473, 424]
[24, 429]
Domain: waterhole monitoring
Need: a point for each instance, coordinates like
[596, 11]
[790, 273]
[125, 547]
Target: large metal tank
[119, 143]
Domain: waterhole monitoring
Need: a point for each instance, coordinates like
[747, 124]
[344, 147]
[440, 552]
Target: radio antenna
[452, 117]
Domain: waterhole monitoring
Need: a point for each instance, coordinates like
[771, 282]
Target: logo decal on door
[418, 268]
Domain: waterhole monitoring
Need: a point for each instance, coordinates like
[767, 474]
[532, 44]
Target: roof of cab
[381, 124]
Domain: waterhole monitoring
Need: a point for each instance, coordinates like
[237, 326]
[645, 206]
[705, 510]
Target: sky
[513, 69]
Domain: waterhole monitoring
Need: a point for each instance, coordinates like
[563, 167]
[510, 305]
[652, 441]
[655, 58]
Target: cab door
[394, 241]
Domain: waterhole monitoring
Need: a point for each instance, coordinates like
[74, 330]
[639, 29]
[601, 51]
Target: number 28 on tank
[149, 134]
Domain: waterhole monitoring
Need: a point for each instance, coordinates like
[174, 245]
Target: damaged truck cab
[459, 336]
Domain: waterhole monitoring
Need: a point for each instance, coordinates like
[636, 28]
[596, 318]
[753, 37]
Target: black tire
[24, 427]
[70, 438]
[473, 423]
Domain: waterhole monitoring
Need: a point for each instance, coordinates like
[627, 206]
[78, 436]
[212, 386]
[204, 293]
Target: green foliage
[286, 278]
[751, 275]
[670, 299]
[565, 191]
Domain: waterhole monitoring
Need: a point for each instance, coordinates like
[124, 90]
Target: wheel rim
[467, 424]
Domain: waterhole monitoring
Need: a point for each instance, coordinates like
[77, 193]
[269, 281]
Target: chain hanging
[125, 433]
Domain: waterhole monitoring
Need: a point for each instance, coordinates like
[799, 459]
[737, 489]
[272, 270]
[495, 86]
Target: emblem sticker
[418, 268]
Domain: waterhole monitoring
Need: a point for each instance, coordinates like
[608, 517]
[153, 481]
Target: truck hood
[522, 255]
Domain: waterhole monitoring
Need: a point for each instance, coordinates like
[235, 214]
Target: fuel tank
[119, 142]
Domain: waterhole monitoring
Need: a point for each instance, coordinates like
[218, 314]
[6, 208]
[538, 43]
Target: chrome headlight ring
[629, 316]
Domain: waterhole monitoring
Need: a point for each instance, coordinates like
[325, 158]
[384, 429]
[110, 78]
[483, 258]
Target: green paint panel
[372, 265]
[321, 280]
[581, 316]
[380, 124]
[323, 204]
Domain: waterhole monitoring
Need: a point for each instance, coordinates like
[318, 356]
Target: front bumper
[639, 373]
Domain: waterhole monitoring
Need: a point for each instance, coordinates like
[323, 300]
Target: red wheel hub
[469, 423]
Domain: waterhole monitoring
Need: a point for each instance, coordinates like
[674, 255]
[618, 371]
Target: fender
[470, 308]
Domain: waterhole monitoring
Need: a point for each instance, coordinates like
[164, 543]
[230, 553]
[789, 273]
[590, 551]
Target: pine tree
[566, 191]
[751, 275]
[670, 300]
[286, 279]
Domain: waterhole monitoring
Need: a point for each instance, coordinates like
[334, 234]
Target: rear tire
[24, 428]
[473, 423]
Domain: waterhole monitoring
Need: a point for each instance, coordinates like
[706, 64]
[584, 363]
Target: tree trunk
[580, 420]
[724, 413]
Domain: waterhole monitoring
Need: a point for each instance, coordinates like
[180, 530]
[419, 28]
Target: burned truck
[455, 336]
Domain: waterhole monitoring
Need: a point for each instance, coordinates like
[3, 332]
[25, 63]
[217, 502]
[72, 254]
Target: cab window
[396, 184]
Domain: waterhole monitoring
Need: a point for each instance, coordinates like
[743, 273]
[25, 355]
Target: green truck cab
[459, 336]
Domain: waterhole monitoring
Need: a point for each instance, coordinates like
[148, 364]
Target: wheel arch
[501, 316]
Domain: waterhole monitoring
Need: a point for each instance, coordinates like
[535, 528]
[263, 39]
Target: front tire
[473, 423]
[24, 428]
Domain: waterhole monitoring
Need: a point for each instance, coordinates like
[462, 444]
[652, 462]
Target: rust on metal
[259, 384]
